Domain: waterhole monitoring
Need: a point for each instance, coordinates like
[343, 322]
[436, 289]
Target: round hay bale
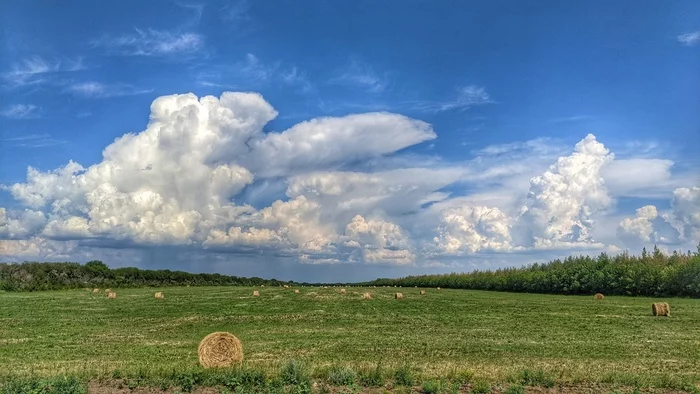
[296, 291]
[398, 296]
[262, 285]
[160, 295]
[342, 291]
[422, 292]
[367, 296]
[598, 296]
[111, 294]
[108, 290]
[660, 309]
[219, 349]
[95, 291]
[286, 286]
[256, 293]
[438, 289]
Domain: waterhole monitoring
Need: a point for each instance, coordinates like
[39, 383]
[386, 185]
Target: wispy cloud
[20, 111]
[32, 141]
[571, 119]
[99, 90]
[361, 75]
[37, 70]
[252, 71]
[151, 42]
[465, 98]
[689, 39]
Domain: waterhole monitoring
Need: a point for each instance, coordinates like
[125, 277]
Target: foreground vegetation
[654, 274]
[437, 342]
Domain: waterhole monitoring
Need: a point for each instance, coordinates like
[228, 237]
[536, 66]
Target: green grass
[486, 336]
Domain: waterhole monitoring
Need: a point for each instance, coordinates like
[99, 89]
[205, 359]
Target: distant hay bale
[598, 296]
[438, 289]
[262, 285]
[286, 286]
[108, 290]
[160, 295]
[296, 291]
[660, 309]
[422, 292]
[398, 296]
[256, 293]
[367, 296]
[342, 291]
[95, 291]
[111, 294]
[220, 349]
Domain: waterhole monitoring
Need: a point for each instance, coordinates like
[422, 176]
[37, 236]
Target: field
[480, 336]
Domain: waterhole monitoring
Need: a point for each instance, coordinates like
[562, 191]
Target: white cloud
[689, 39]
[151, 42]
[100, 90]
[31, 141]
[251, 71]
[36, 70]
[20, 111]
[465, 98]
[360, 75]
[344, 191]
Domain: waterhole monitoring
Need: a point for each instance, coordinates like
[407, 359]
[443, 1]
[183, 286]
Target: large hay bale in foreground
[660, 309]
[367, 296]
[422, 292]
[95, 291]
[111, 294]
[160, 295]
[219, 349]
[398, 296]
[256, 293]
[598, 296]
[342, 291]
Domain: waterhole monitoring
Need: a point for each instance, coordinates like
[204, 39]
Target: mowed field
[487, 335]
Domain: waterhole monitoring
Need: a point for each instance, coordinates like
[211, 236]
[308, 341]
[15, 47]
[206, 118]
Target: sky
[347, 140]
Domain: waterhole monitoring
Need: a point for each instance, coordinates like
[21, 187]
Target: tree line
[649, 274]
[35, 276]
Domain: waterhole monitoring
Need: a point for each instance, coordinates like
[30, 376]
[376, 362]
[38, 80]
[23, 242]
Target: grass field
[484, 336]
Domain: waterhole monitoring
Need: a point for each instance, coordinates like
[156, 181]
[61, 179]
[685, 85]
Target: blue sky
[503, 90]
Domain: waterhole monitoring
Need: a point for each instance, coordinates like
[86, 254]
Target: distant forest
[33, 276]
[650, 274]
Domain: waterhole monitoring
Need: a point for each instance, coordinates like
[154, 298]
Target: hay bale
[422, 292]
[342, 291]
[286, 286]
[219, 349]
[160, 295]
[367, 296]
[262, 285]
[398, 296]
[111, 294]
[660, 309]
[296, 291]
[108, 290]
[438, 289]
[95, 291]
[256, 293]
[598, 296]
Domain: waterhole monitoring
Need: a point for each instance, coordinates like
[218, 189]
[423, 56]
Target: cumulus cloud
[344, 194]
[563, 202]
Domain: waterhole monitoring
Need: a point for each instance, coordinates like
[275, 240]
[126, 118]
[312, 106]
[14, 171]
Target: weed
[342, 376]
[431, 386]
[404, 376]
[515, 389]
[536, 378]
[481, 387]
[371, 377]
[294, 373]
